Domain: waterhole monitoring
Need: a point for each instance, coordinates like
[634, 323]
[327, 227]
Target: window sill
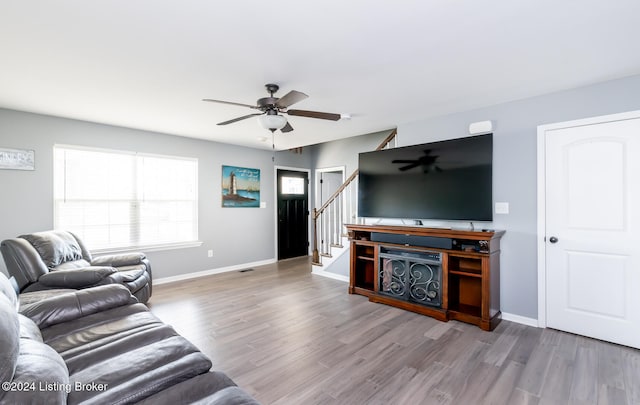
[148, 248]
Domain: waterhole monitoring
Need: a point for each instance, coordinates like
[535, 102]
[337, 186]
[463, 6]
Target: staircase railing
[339, 209]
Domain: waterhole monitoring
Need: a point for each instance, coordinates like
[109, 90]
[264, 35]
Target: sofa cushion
[9, 338]
[44, 373]
[29, 329]
[209, 388]
[23, 261]
[76, 278]
[129, 275]
[142, 294]
[55, 247]
[134, 280]
[74, 264]
[120, 260]
[86, 333]
[141, 371]
[228, 396]
[7, 289]
[28, 298]
[86, 354]
[74, 305]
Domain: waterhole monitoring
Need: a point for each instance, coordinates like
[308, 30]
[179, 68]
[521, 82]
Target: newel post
[316, 256]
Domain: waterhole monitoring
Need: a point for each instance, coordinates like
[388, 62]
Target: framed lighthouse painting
[240, 187]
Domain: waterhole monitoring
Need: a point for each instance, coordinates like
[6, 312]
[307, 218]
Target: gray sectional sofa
[58, 259]
[100, 345]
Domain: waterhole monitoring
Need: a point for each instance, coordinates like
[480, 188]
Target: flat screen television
[445, 180]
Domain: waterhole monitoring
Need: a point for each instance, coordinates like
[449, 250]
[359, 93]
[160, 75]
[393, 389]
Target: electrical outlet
[210, 253]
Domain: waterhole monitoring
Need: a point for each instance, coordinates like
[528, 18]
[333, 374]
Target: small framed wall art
[240, 187]
[17, 159]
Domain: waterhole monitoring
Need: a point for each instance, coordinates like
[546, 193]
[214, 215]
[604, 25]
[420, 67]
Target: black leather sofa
[100, 346]
[59, 259]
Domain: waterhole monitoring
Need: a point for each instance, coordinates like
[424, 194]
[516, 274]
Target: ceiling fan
[427, 162]
[271, 107]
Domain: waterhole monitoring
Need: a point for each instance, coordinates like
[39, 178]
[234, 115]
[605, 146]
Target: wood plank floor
[290, 337]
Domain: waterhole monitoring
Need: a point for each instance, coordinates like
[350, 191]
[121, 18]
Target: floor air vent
[245, 270]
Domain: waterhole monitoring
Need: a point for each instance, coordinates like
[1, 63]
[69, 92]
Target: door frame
[316, 197]
[275, 206]
[541, 228]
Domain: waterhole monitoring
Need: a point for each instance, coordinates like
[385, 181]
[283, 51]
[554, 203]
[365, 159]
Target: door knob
[553, 239]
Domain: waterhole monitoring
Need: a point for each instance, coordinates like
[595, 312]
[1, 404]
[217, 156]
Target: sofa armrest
[125, 259]
[23, 261]
[38, 366]
[73, 305]
[76, 278]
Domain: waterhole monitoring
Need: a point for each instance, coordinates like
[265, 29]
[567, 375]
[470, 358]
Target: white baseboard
[520, 319]
[334, 276]
[188, 276]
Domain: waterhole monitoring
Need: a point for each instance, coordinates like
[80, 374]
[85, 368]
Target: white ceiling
[148, 63]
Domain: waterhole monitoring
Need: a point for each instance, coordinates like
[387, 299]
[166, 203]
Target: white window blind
[119, 200]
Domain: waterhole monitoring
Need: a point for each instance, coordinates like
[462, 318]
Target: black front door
[293, 214]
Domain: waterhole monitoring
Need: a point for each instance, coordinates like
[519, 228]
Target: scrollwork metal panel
[424, 283]
[393, 277]
[411, 276]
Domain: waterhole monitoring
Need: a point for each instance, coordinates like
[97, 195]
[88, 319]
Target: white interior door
[592, 177]
[329, 183]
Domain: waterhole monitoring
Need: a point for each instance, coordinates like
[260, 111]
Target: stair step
[335, 245]
[325, 254]
[316, 264]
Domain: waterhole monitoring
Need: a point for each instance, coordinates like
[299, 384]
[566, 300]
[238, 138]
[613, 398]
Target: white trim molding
[148, 248]
[327, 274]
[520, 319]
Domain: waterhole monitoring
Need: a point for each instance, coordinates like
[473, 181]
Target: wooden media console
[443, 273]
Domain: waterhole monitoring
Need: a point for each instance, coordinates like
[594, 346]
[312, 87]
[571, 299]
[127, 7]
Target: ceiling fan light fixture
[272, 121]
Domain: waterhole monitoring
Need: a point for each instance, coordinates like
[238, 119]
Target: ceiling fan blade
[229, 102]
[315, 114]
[290, 98]
[409, 167]
[287, 128]
[244, 117]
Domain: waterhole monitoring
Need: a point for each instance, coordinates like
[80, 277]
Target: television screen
[446, 180]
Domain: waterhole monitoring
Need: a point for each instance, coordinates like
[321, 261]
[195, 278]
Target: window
[292, 185]
[116, 200]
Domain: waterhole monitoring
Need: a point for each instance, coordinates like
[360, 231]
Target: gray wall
[236, 235]
[343, 152]
[515, 165]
